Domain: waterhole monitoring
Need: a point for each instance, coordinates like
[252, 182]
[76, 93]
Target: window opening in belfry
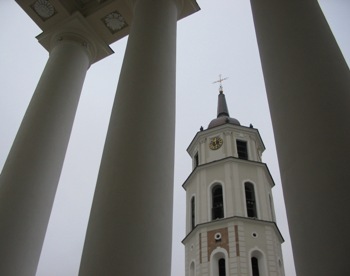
[218, 204]
[242, 149]
[255, 266]
[222, 267]
[250, 200]
[196, 160]
[193, 209]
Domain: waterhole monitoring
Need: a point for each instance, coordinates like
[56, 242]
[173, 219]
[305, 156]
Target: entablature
[229, 160]
[235, 219]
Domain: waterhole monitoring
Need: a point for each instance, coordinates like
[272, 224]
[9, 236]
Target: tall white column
[31, 173]
[130, 226]
[308, 83]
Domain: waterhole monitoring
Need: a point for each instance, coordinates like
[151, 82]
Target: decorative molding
[76, 29]
[252, 137]
[75, 38]
[44, 9]
[114, 22]
[214, 244]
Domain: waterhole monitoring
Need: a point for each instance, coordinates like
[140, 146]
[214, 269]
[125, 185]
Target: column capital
[71, 37]
[75, 29]
[109, 19]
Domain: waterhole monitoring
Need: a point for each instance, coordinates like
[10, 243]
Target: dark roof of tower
[223, 116]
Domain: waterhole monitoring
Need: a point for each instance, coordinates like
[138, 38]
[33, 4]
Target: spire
[222, 105]
[223, 116]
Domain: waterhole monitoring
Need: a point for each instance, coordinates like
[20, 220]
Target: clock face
[215, 143]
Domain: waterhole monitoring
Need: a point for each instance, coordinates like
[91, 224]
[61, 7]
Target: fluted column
[308, 83]
[32, 170]
[130, 226]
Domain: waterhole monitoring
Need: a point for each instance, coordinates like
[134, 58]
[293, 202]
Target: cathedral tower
[230, 221]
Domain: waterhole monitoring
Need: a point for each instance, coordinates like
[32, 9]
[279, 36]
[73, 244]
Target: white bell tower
[230, 220]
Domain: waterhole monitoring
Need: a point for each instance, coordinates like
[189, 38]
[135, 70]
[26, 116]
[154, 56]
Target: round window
[217, 236]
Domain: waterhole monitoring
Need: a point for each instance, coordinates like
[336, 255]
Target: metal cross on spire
[220, 81]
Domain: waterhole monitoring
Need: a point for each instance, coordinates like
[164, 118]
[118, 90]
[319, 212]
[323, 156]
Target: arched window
[193, 210]
[217, 202]
[255, 266]
[242, 149]
[222, 267]
[192, 271]
[250, 200]
[218, 262]
[257, 263]
[196, 160]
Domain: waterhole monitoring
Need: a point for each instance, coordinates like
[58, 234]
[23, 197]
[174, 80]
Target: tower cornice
[225, 221]
[227, 160]
[224, 128]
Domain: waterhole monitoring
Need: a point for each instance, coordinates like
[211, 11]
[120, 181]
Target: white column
[308, 83]
[130, 226]
[31, 173]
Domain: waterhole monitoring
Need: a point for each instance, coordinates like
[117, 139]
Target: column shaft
[308, 83]
[130, 226]
[31, 173]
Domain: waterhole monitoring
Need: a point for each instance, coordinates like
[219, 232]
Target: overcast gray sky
[219, 39]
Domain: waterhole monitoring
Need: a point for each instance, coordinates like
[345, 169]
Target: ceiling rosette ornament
[44, 9]
[114, 22]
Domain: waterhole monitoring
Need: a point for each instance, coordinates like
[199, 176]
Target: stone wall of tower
[229, 134]
[241, 238]
[208, 170]
[232, 174]
[236, 236]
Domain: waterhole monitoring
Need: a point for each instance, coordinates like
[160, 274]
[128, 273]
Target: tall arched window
[218, 262]
[250, 200]
[258, 263]
[217, 202]
[193, 214]
[222, 267]
[196, 160]
[255, 266]
[192, 270]
[242, 149]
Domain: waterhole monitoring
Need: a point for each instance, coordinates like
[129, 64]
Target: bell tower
[230, 221]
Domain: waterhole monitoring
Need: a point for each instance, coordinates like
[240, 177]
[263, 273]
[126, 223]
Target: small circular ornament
[217, 236]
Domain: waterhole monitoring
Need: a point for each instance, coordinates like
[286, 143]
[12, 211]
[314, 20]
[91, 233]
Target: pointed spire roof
[223, 116]
[222, 105]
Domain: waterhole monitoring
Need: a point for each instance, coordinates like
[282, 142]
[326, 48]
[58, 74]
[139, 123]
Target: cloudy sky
[219, 39]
